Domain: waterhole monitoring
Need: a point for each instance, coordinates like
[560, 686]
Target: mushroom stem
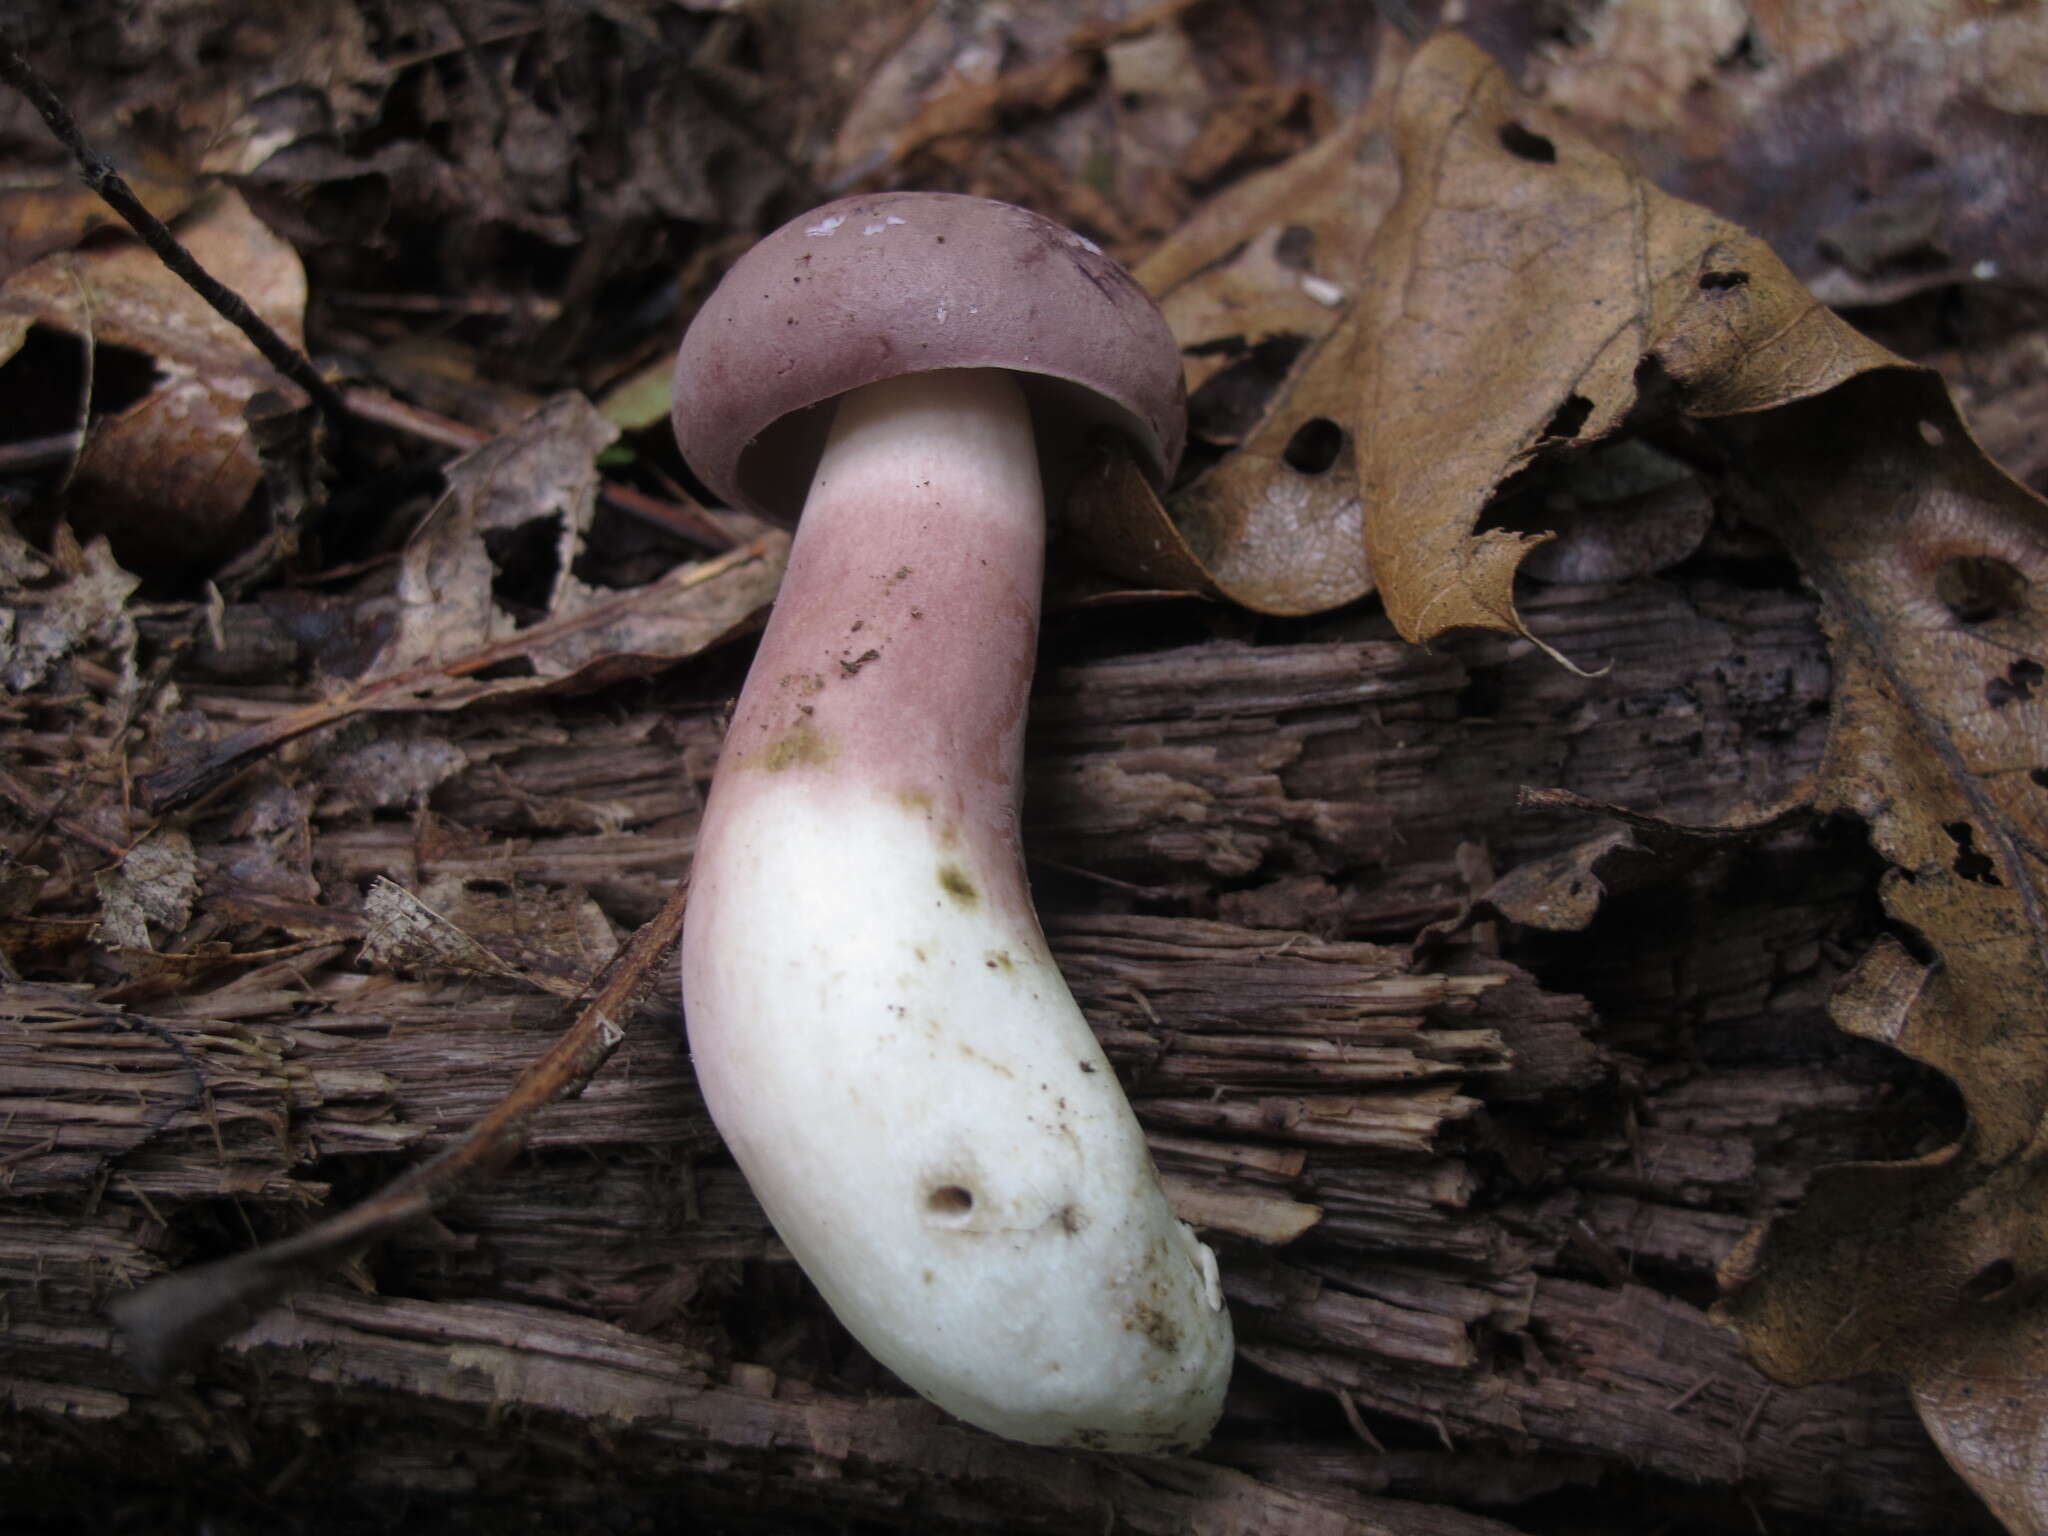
[878, 1026]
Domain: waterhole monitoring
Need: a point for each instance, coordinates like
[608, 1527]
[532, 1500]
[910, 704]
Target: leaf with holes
[1520, 292]
[1258, 288]
[1933, 568]
[1512, 298]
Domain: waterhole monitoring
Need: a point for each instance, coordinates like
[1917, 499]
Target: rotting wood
[1448, 1198]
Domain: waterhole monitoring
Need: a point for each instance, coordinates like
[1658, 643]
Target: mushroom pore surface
[880, 1030]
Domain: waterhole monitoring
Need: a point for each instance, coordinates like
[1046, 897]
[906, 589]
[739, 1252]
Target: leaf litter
[171, 476]
[1519, 294]
[452, 641]
[1491, 283]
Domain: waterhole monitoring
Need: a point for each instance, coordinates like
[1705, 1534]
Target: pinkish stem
[879, 1029]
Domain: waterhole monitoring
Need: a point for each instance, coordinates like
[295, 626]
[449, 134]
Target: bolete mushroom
[878, 1025]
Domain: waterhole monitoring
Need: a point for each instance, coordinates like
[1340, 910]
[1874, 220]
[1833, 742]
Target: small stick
[186, 779]
[49, 814]
[686, 520]
[35, 452]
[99, 174]
[1690, 1393]
[172, 1320]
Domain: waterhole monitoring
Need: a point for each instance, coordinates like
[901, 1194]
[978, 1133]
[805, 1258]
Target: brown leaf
[1519, 283]
[52, 210]
[1932, 565]
[154, 886]
[510, 530]
[41, 622]
[974, 106]
[1517, 288]
[1885, 151]
[169, 478]
[1279, 523]
[1563, 892]
[1265, 269]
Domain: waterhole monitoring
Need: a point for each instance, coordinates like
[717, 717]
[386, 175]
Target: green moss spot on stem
[803, 745]
[954, 882]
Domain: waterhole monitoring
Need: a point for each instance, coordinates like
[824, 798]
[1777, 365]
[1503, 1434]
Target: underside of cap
[869, 288]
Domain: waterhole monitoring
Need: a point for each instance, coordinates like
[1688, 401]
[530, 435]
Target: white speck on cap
[1322, 290]
[826, 226]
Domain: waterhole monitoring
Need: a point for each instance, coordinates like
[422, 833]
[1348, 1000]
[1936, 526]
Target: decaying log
[1467, 1221]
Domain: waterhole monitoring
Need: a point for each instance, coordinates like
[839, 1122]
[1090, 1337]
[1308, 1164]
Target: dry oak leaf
[1932, 567]
[1265, 270]
[1521, 280]
[1887, 149]
[1517, 288]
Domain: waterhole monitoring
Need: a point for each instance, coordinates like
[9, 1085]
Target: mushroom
[877, 1022]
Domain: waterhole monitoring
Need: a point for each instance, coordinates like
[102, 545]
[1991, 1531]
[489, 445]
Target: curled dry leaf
[1275, 525]
[170, 477]
[1519, 284]
[492, 571]
[1932, 566]
[1563, 892]
[1518, 287]
[45, 614]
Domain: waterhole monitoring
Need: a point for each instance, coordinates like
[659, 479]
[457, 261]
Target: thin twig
[35, 452]
[171, 1320]
[192, 1100]
[183, 780]
[685, 520]
[99, 174]
[85, 382]
[32, 804]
